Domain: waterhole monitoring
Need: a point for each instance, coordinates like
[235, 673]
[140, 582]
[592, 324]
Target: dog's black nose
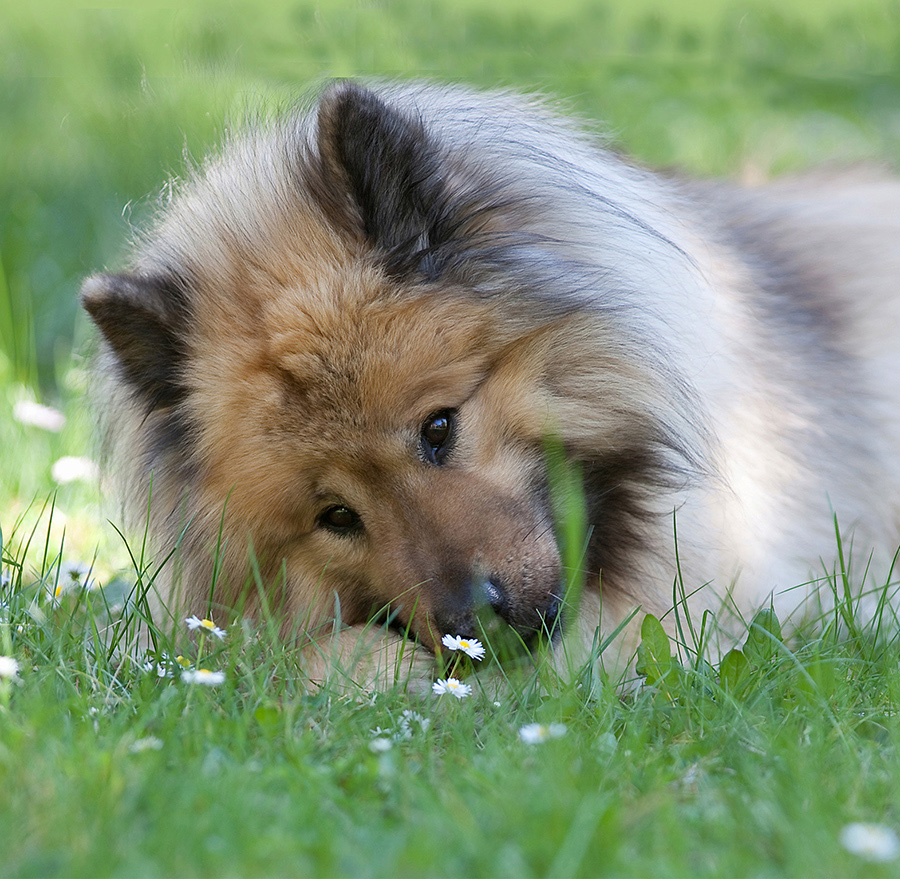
[525, 618]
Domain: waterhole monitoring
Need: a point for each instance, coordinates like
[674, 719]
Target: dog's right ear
[380, 175]
[140, 318]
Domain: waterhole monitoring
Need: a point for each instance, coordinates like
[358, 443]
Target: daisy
[75, 573]
[203, 676]
[70, 469]
[162, 667]
[472, 647]
[408, 718]
[9, 668]
[158, 667]
[453, 686]
[36, 415]
[535, 733]
[873, 842]
[380, 745]
[72, 577]
[207, 625]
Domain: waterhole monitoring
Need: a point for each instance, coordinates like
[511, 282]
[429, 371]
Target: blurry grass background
[97, 108]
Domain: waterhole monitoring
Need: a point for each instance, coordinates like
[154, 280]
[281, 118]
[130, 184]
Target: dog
[337, 360]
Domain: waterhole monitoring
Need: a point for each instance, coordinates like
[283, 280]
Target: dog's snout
[542, 617]
[491, 607]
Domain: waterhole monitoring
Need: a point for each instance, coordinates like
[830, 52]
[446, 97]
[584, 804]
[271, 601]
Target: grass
[111, 769]
[751, 767]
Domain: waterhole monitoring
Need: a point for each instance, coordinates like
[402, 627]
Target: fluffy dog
[346, 341]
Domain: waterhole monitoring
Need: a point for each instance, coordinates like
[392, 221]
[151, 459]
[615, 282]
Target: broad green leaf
[764, 637]
[654, 657]
[733, 670]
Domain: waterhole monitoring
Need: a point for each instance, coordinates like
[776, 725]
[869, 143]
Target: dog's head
[387, 446]
[310, 347]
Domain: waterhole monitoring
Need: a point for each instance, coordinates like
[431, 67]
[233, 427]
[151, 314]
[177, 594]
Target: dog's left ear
[382, 167]
[142, 318]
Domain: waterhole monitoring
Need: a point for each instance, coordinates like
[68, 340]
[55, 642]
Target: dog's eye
[436, 434]
[340, 520]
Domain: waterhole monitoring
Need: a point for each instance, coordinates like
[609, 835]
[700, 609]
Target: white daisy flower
[408, 718]
[70, 469]
[203, 676]
[72, 577]
[9, 668]
[36, 415]
[452, 686]
[535, 733]
[207, 625]
[75, 573]
[160, 668]
[472, 647]
[380, 745]
[872, 842]
[406, 728]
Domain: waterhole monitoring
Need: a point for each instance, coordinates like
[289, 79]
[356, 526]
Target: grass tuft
[115, 761]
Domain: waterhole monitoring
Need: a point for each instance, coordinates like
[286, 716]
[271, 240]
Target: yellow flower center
[207, 624]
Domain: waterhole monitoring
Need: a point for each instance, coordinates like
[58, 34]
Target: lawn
[752, 767]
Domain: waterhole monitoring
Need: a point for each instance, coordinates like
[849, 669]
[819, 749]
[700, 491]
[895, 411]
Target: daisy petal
[203, 676]
[872, 842]
[472, 647]
[536, 733]
[452, 686]
[9, 668]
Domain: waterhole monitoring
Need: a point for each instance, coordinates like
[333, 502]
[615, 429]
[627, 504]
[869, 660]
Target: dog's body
[355, 332]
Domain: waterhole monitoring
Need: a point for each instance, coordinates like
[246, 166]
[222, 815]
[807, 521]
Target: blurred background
[100, 107]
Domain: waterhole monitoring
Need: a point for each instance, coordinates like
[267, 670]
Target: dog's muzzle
[495, 614]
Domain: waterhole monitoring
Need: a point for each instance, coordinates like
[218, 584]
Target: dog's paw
[363, 658]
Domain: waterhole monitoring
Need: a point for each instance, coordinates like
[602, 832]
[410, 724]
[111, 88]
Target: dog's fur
[719, 359]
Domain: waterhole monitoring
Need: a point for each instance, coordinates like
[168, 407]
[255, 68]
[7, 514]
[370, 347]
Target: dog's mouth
[506, 640]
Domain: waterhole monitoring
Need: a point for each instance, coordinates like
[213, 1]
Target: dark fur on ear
[139, 318]
[385, 164]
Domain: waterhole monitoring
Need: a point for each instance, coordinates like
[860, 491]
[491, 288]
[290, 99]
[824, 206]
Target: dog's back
[809, 297]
